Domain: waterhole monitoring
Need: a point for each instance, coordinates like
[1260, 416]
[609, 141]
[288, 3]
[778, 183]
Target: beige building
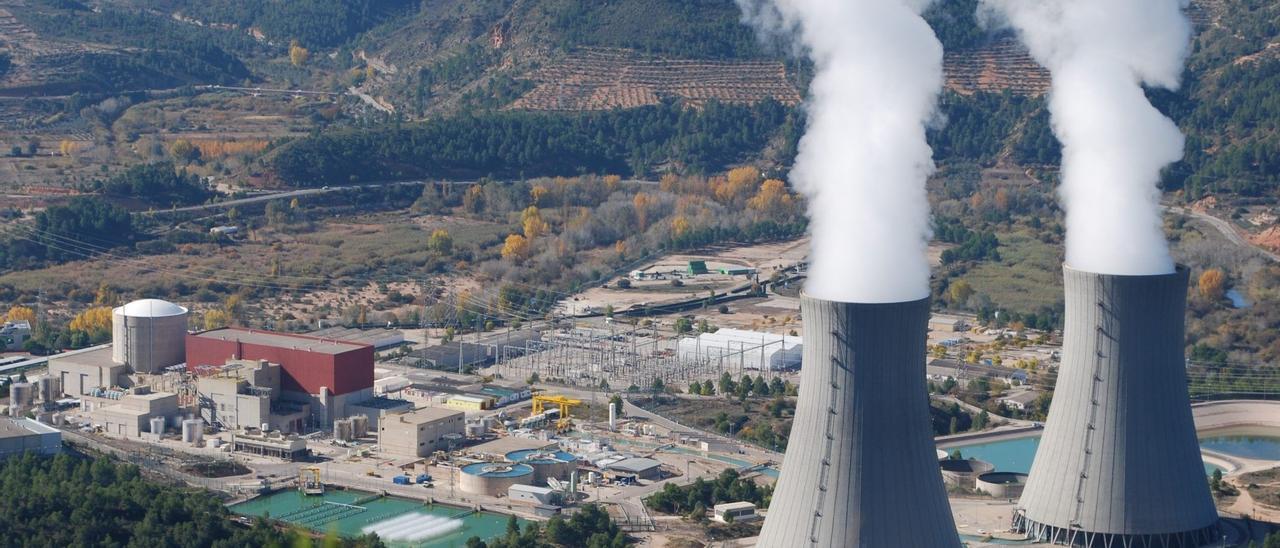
[127, 414]
[80, 372]
[246, 394]
[419, 433]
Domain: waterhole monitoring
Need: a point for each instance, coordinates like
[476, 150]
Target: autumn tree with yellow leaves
[93, 320]
[440, 242]
[515, 248]
[773, 199]
[1213, 284]
[531, 221]
[20, 314]
[298, 55]
[641, 202]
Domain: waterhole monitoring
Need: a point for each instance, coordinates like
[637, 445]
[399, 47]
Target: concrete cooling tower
[1119, 464]
[861, 468]
[149, 335]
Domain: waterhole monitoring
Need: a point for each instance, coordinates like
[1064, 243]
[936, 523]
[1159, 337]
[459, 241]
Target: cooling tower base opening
[1069, 536]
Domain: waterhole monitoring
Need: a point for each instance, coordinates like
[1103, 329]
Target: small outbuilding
[735, 512]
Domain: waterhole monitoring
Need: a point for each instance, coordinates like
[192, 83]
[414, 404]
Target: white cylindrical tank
[45, 389]
[157, 425]
[613, 417]
[192, 431]
[149, 335]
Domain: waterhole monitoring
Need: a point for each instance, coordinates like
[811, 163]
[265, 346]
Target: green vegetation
[159, 183]
[314, 23]
[696, 497]
[71, 501]
[681, 28]
[165, 53]
[85, 218]
[590, 527]
[536, 144]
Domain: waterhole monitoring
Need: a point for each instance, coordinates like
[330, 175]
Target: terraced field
[1001, 65]
[601, 79]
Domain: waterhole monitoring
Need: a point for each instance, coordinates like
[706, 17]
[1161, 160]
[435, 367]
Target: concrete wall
[79, 378]
[408, 435]
[861, 468]
[1119, 459]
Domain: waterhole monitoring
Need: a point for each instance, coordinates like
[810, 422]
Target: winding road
[1226, 229]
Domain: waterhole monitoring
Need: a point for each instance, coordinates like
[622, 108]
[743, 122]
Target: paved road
[1226, 229]
[286, 195]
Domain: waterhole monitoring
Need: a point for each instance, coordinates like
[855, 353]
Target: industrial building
[270, 444]
[420, 433]
[546, 464]
[79, 372]
[325, 374]
[750, 350]
[14, 335]
[638, 467]
[246, 394]
[128, 413]
[1119, 463]
[380, 339]
[734, 512]
[947, 324]
[861, 466]
[464, 396]
[19, 436]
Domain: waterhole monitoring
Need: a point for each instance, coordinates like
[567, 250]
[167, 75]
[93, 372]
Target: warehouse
[381, 339]
[420, 433]
[18, 436]
[748, 349]
[324, 373]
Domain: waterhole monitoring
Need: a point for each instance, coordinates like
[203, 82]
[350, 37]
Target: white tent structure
[745, 349]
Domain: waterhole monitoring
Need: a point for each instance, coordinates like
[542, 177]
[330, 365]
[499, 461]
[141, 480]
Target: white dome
[150, 308]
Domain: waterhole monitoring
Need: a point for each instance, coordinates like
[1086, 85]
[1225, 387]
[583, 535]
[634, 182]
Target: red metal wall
[304, 371]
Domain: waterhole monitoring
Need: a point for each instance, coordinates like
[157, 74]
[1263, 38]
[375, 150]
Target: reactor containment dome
[149, 335]
[861, 468]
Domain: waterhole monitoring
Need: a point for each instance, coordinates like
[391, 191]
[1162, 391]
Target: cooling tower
[861, 468]
[1119, 464]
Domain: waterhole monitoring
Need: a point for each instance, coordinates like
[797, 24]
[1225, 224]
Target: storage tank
[963, 472]
[360, 426]
[493, 478]
[342, 430]
[149, 335]
[192, 431]
[21, 394]
[1002, 485]
[545, 464]
[47, 388]
[157, 425]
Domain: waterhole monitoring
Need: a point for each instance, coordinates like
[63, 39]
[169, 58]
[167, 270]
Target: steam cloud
[1101, 53]
[863, 160]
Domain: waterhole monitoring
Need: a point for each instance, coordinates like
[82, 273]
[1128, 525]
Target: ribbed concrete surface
[1119, 454]
[861, 469]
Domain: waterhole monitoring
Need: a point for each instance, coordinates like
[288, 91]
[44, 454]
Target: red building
[307, 363]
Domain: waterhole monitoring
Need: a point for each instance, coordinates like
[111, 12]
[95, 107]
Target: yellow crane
[565, 405]
[309, 480]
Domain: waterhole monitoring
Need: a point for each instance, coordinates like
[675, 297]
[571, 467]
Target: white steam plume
[1114, 142]
[863, 160]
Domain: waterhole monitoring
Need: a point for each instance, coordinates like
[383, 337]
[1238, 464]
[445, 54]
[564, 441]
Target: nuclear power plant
[1119, 464]
[861, 468]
